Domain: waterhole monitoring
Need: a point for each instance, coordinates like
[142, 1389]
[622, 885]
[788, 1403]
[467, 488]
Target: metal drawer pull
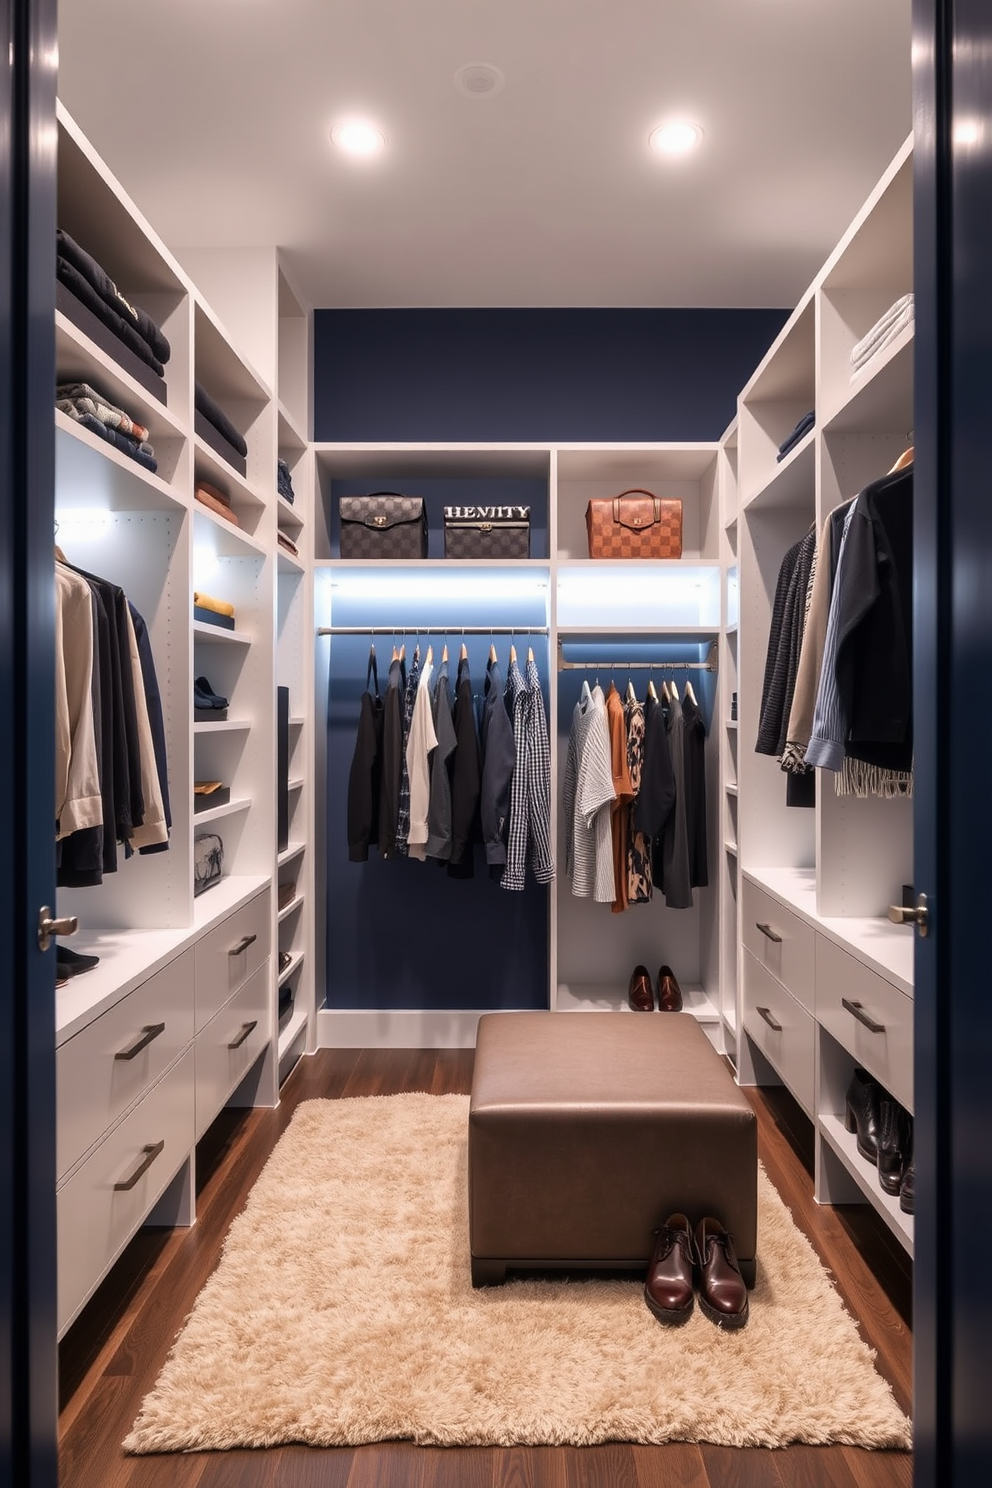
[770, 1019]
[148, 1156]
[149, 1032]
[767, 930]
[246, 1029]
[857, 1011]
[242, 945]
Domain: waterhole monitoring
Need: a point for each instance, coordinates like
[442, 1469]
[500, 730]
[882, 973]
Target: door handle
[769, 1018]
[917, 914]
[242, 945]
[767, 930]
[246, 1029]
[857, 1011]
[49, 926]
[148, 1156]
[149, 1032]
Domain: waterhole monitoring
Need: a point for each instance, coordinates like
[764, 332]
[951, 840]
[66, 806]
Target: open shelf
[845, 1145]
[602, 997]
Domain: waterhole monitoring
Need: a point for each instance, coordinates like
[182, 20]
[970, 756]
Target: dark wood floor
[112, 1355]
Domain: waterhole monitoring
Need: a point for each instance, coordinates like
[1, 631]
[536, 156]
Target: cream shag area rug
[342, 1312]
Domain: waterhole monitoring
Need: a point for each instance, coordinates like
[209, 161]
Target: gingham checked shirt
[530, 791]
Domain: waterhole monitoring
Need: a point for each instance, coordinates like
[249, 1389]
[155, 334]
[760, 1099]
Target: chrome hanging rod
[445, 630]
[606, 664]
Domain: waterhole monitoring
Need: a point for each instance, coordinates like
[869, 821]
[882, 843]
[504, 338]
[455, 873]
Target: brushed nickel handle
[917, 914]
[49, 926]
[246, 1029]
[242, 945]
[767, 930]
[856, 1010]
[769, 1018]
[148, 1156]
[149, 1032]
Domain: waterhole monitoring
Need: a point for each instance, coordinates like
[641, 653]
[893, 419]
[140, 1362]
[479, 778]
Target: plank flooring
[112, 1354]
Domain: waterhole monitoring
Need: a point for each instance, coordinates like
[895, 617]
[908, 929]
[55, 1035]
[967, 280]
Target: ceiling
[215, 114]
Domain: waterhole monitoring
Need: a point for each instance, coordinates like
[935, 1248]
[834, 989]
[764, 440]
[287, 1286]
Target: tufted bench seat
[586, 1130]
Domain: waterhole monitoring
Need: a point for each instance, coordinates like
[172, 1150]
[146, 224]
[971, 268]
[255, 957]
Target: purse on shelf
[635, 524]
[383, 524]
[487, 532]
[208, 861]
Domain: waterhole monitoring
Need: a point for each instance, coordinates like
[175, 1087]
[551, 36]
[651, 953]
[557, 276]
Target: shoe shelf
[206, 634]
[586, 997]
[844, 1145]
[296, 960]
[225, 726]
[290, 908]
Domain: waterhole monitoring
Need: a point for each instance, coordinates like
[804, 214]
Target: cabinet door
[867, 1015]
[780, 940]
[781, 1028]
[229, 1045]
[229, 954]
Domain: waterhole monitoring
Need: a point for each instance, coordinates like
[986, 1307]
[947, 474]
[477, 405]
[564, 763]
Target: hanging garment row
[634, 796]
[838, 684]
[432, 775]
[111, 771]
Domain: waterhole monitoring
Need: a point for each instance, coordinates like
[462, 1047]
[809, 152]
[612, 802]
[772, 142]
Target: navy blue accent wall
[542, 375]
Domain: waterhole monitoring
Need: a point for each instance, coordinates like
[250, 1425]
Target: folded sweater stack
[883, 333]
[89, 283]
[86, 406]
[218, 420]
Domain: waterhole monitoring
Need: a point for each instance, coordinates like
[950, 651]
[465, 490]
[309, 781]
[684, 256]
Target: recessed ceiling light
[677, 137]
[355, 137]
[479, 79]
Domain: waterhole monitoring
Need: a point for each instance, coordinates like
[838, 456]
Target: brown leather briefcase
[635, 524]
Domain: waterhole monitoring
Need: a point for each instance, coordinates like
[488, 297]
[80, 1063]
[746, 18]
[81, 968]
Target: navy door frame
[28, 1385]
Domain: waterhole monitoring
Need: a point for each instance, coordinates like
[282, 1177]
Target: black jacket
[392, 758]
[363, 778]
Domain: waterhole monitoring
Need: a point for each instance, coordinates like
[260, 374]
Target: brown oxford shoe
[668, 1284]
[669, 992]
[640, 994]
[722, 1289]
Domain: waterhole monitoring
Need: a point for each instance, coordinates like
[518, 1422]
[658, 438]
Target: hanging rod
[605, 664]
[420, 630]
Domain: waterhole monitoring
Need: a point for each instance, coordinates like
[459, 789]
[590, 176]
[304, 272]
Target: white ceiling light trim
[479, 80]
[358, 137]
[676, 137]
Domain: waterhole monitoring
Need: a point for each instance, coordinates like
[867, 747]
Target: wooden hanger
[402, 655]
[492, 652]
[631, 694]
[463, 653]
[530, 653]
[652, 692]
[513, 654]
[430, 656]
[666, 691]
[690, 694]
[904, 460]
[444, 654]
[673, 691]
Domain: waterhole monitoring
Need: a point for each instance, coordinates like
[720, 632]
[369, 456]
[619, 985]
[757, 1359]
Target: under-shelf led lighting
[676, 137]
[357, 137]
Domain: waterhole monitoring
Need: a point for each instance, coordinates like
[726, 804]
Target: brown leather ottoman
[586, 1130]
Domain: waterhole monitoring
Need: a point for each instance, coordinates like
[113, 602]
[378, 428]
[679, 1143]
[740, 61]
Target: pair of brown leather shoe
[640, 991]
[682, 1263]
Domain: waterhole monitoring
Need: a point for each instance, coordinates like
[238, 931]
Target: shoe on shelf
[640, 994]
[204, 695]
[907, 1188]
[669, 991]
[284, 959]
[722, 1289]
[894, 1141]
[73, 963]
[861, 1112]
[668, 1285]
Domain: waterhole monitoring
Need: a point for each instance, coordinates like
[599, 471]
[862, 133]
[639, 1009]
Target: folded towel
[207, 602]
[87, 400]
[84, 292]
[882, 334]
[220, 420]
[799, 432]
[220, 507]
[68, 249]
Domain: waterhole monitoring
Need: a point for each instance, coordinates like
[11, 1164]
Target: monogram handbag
[383, 524]
[487, 532]
[635, 524]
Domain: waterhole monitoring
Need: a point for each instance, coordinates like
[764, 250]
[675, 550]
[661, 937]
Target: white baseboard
[347, 1028]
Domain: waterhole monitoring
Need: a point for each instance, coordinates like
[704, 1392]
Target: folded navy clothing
[83, 291]
[284, 481]
[140, 452]
[68, 249]
[220, 420]
[799, 432]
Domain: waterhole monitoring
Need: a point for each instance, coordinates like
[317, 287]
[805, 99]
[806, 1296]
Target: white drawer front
[782, 1030]
[781, 941]
[109, 1065]
[850, 997]
[229, 954]
[95, 1218]
[228, 1047]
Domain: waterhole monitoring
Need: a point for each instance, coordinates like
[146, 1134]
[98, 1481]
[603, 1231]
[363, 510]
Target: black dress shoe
[861, 1112]
[73, 963]
[722, 1289]
[893, 1145]
[668, 1284]
[640, 994]
[669, 991]
[907, 1189]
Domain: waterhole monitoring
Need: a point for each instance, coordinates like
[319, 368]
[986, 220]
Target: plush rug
[342, 1312]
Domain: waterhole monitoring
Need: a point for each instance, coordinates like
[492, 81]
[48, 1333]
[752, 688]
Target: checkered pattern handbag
[383, 524]
[635, 524]
[487, 532]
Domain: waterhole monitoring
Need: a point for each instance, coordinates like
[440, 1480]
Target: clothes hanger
[430, 656]
[513, 653]
[585, 693]
[904, 460]
[444, 654]
[60, 556]
[690, 694]
[652, 690]
[492, 651]
[673, 691]
[530, 654]
[463, 653]
[666, 691]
